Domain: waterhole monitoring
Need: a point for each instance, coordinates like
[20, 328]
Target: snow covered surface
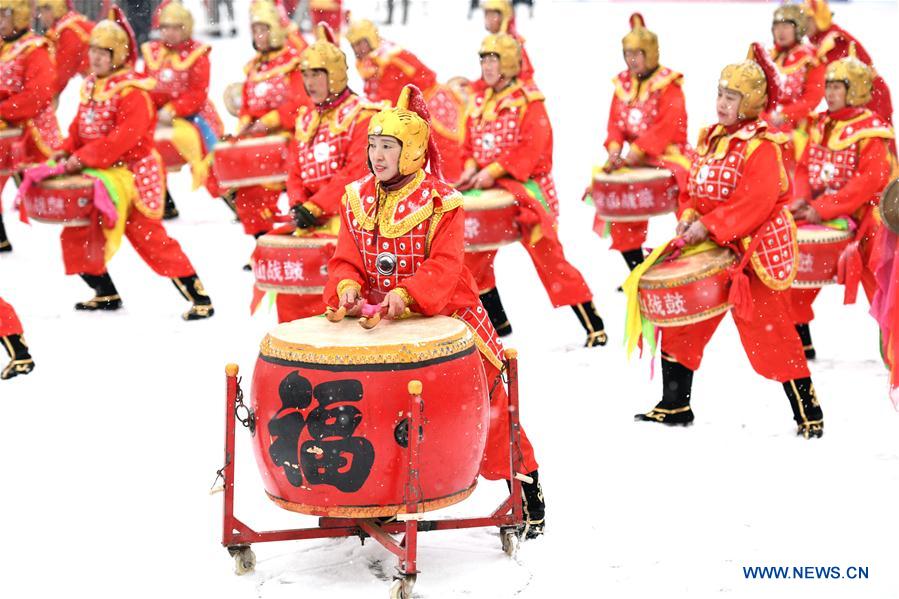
[109, 447]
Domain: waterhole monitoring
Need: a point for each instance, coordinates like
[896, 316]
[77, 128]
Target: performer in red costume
[27, 89]
[11, 336]
[738, 194]
[419, 265]
[180, 66]
[499, 17]
[841, 174]
[509, 145]
[649, 114]
[329, 12]
[68, 32]
[114, 128]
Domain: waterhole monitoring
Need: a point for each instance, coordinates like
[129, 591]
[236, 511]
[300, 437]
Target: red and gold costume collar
[628, 85]
[716, 140]
[101, 89]
[794, 58]
[181, 57]
[848, 126]
[272, 63]
[22, 45]
[518, 93]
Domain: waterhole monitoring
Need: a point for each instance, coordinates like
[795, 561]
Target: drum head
[487, 199]
[633, 175]
[681, 270]
[413, 340]
[889, 206]
[233, 98]
[272, 240]
[819, 234]
[67, 182]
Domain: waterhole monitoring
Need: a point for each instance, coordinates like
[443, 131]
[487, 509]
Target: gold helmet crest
[406, 125]
[176, 14]
[641, 38]
[58, 8]
[326, 55]
[264, 12]
[364, 30]
[820, 11]
[21, 12]
[857, 76]
[507, 48]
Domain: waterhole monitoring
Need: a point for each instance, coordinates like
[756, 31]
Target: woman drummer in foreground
[401, 245]
[738, 191]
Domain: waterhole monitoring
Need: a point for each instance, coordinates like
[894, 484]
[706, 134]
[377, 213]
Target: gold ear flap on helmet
[364, 30]
[857, 76]
[21, 12]
[792, 13]
[58, 8]
[324, 54]
[641, 38]
[177, 15]
[408, 127]
[264, 12]
[820, 12]
[507, 48]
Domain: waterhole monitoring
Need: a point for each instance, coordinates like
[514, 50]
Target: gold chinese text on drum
[889, 206]
[491, 219]
[634, 194]
[687, 289]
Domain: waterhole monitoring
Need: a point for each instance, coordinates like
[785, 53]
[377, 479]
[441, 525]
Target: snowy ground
[120, 426]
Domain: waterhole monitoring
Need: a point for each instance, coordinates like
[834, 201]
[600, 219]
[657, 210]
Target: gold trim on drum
[693, 318]
[291, 290]
[797, 284]
[371, 511]
[411, 352]
[67, 182]
[293, 241]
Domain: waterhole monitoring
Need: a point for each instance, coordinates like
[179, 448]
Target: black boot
[106, 297]
[534, 507]
[677, 386]
[806, 410]
[633, 258]
[494, 306]
[192, 290]
[170, 211]
[592, 323]
[805, 335]
[20, 359]
[5, 245]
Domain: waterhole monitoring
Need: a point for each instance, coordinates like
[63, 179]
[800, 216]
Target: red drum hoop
[634, 194]
[66, 200]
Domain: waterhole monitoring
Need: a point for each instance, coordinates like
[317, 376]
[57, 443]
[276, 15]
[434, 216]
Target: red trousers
[293, 307]
[628, 236]
[769, 337]
[256, 206]
[83, 248]
[495, 465]
[9, 322]
[563, 282]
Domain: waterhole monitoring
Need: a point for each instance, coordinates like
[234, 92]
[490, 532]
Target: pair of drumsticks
[371, 314]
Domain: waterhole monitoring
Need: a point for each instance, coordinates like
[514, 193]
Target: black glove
[303, 217]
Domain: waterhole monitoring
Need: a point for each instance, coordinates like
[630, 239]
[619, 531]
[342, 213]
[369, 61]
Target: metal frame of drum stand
[509, 516]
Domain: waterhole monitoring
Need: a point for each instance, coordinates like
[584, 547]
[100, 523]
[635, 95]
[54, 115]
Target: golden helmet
[109, 35]
[327, 55]
[641, 38]
[405, 123]
[175, 13]
[503, 7]
[58, 7]
[855, 74]
[756, 79]
[792, 13]
[21, 12]
[507, 48]
[820, 12]
[363, 30]
[264, 12]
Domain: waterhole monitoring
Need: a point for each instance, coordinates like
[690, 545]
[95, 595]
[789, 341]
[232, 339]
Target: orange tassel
[739, 296]
[849, 272]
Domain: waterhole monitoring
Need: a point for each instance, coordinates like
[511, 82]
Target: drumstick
[336, 315]
[370, 322]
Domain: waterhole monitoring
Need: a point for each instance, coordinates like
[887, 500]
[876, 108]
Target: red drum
[233, 98]
[12, 150]
[634, 194]
[251, 161]
[819, 253]
[490, 219]
[293, 264]
[65, 200]
[687, 289]
[331, 403]
[171, 157]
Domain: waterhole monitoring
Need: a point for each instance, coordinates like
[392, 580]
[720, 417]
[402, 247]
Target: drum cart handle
[515, 461]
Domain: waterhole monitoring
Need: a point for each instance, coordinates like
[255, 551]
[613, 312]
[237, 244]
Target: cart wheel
[510, 537]
[244, 559]
[402, 587]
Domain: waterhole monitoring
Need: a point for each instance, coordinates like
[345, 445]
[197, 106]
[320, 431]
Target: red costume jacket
[273, 91]
[802, 83]
[70, 37]
[389, 68]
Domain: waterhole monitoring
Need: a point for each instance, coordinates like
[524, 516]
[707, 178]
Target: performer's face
[100, 60]
[316, 83]
[784, 34]
[636, 61]
[361, 49]
[384, 155]
[493, 20]
[46, 16]
[6, 25]
[835, 95]
[261, 37]
[728, 106]
[172, 35]
[490, 69]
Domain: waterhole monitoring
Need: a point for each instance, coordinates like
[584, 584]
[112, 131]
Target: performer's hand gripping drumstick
[695, 233]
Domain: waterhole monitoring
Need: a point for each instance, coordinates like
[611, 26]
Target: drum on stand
[251, 161]
[490, 219]
[634, 194]
[66, 200]
[293, 264]
[819, 254]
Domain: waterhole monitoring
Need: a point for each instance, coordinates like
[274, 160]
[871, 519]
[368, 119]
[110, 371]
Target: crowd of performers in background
[770, 168]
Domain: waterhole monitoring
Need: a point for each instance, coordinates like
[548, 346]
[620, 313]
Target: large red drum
[251, 161]
[171, 157]
[819, 252]
[64, 200]
[331, 400]
[293, 263]
[490, 219]
[634, 194]
[11, 150]
[687, 289]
